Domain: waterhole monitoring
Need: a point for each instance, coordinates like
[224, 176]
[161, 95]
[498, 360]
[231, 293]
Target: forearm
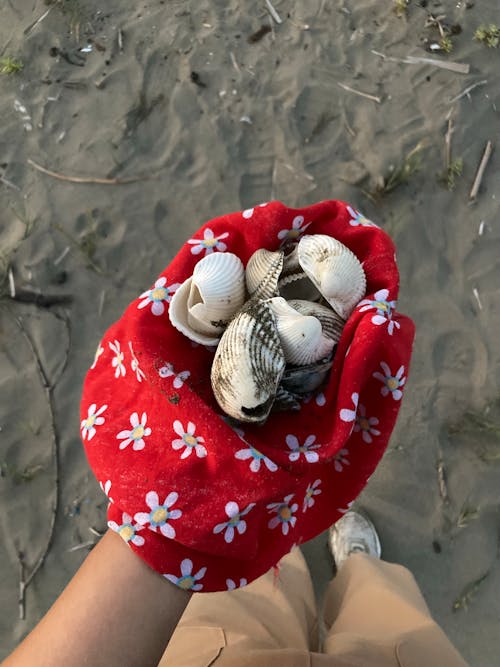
[115, 612]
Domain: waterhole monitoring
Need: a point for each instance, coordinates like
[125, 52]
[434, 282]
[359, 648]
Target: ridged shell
[262, 273]
[202, 307]
[294, 283]
[301, 336]
[334, 270]
[331, 322]
[304, 379]
[248, 364]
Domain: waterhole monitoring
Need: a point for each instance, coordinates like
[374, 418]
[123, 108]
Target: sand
[260, 120]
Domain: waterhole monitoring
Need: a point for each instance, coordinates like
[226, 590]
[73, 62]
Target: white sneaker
[353, 533]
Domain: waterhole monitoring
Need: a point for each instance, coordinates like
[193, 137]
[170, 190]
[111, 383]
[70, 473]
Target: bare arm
[115, 612]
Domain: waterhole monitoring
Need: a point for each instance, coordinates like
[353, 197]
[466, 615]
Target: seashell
[334, 270]
[285, 400]
[262, 273]
[248, 364]
[204, 304]
[294, 283]
[305, 379]
[331, 322]
[301, 336]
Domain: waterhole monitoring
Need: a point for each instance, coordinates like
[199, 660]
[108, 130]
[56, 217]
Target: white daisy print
[358, 218]
[306, 449]
[235, 521]
[161, 514]
[256, 459]
[284, 514]
[158, 296]
[97, 354]
[366, 425]
[296, 231]
[340, 460]
[248, 213]
[137, 433]
[93, 419]
[128, 530]
[134, 365]
[188, 440]
[319, 399]
[350, 415]
[384, 310]
[344, 510]
[391, 383]
[187, 581]
[209, 243]
[232, 585]
[311, 491]
[167, 370]
[117, 361]
[106, 488]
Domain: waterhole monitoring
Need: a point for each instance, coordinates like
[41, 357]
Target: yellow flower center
[381, 305]
[234, 521]
[126, 533]
[138, 432]
[209, 243]
[159, 515]
[285, 513]
[392, 383]
[309, 493]
[364, 423]
[90, 421]
[158, 294]
[186, 583]
[190, 440]
[293, 233]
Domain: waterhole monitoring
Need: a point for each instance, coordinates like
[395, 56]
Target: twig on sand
[461, 68]
[274, 14]
[480, 171]
[443, 487]
[447, 143]
[468, 90]
[120, 40]
[470, 590]
[83, 545]
[33, 25]
[9, 184]
[374, 98]
[85, 179]
[475, 292]
[12, 284]
[48, 389]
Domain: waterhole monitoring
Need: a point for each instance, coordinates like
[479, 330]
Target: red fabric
[172, 496]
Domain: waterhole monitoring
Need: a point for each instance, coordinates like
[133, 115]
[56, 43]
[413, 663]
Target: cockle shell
[334, 270]
[294, 283]
[248, 364]
[304, 379]
[262, 273]
[301, 336]
[331, 322]
[204, 304]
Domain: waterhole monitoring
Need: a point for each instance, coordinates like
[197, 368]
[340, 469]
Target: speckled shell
[248, 364]
[204, 304]
[262, 273]
[294, 283]
[331, 322]
[334, 270]
[301, 336]
[304, 379]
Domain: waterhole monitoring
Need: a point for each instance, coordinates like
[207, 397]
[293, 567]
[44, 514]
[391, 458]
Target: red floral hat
[209, 506]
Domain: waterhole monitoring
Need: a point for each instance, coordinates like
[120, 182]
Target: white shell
[204, 304]
[334, 270]
[301, 336]
[262, 273]
[304, 379]
[248, 364]
[331, 322]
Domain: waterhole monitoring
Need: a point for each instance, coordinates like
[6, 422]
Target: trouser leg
[272, 613]
[375, 613]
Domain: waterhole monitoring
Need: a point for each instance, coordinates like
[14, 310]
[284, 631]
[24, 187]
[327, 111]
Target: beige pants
[374, 614]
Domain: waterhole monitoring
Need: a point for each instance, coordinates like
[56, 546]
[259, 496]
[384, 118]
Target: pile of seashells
[275, 324]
